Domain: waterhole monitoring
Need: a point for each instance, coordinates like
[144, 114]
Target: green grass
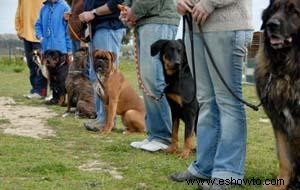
[52, 163]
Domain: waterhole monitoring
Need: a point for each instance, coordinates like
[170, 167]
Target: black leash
[189, 20]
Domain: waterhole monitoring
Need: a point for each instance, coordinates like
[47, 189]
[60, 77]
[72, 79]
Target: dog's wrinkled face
[171, 53]
[80, 58]
[52, 58]
[281, 22]
[103, 61]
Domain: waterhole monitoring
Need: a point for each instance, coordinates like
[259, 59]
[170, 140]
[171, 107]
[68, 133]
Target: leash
[188, 19]
[142, 86]
[254, 107]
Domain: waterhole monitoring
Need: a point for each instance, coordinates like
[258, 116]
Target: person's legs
[108, 40]
[37, 81]
[221, 153]
[158, 115]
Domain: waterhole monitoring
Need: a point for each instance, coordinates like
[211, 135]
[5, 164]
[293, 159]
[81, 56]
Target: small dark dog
[180, 91]
[57, 66]
[79, 88]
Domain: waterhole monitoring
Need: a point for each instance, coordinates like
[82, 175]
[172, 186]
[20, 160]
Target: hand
[86, 16]
[20, 37]
[184, 6]
[128, 17]
[199, 14]
[69, 57]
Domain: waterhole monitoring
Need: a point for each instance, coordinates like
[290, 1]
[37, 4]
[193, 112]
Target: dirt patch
[95, 165]
[24, 120]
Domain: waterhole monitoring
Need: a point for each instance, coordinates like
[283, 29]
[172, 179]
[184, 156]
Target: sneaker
[33, 96]
[183, 176]
[93, 125]
[48, 97]
[138, 144]
[52, 102]
[153, 146]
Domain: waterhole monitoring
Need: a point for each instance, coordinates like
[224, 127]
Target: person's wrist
[94, 11]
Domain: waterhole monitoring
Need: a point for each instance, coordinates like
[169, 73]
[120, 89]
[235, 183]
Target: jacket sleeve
[210, 5]
[113, 5]
[18, 19]
[142, 8]
[39, 26]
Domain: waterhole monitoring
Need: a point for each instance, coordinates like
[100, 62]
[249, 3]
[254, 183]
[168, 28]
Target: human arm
[107, 8]
[39, 28]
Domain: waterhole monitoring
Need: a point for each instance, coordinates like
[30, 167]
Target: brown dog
[79, 89]
[117, 95]
[277, 78]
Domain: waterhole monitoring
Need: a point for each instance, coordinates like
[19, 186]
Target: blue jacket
[52, 27]
[110, 21]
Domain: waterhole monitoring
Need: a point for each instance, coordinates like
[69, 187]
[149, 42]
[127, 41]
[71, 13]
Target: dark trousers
[37, 80]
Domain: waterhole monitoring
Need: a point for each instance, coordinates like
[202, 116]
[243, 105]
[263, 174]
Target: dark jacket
[110, 21]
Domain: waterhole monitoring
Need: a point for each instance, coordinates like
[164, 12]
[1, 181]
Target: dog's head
[171, 54]
[52, 58]
[80, 59]
[36, 56]
[103, 61]
[281, 23]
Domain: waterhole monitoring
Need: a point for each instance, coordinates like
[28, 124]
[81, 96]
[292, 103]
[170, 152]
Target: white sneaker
[154, 146]
[48, 98]
[138, 144]
[33, 96]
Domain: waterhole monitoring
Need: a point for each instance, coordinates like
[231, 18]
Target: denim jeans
[221, 127]
[37, 80]
[109, 40]
[158, 115]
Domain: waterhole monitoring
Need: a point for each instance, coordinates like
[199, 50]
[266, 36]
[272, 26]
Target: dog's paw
[184, 154]
[105, 131]
[66, 114]
[172, 149]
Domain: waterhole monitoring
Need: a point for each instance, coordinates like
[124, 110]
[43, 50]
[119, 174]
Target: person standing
[26, 16]
[51, 29]
[107, 32]
[153, 20]
[221, 128]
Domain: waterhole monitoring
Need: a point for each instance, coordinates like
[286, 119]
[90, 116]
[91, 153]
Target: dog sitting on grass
[79, 89]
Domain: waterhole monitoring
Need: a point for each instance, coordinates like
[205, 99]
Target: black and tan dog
[79, 89]
[277, 78]
[57, 67]
[117, 95]
[180, 91]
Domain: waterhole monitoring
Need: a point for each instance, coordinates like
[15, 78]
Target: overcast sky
[8, 11]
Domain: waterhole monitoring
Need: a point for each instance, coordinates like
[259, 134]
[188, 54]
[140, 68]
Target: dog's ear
[265, 15]
[157, 46]
[113, 56]
[94, 52]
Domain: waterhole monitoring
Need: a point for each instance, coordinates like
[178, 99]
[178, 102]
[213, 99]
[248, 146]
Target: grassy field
[53, 163]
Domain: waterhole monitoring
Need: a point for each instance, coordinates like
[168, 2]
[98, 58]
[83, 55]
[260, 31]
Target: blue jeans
[221, 128]
[109, 40]
[37, 80]
[158, 115]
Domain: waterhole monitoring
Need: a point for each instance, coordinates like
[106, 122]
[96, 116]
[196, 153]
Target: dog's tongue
[276, 41]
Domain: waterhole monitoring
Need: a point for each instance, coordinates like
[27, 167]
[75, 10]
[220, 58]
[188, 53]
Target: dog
[80, 92]
[277, 77]
[57, 66]
[37, 59]
[117, 95]
[180, 91]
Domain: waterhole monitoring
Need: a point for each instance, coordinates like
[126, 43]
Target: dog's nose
[273, 24]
